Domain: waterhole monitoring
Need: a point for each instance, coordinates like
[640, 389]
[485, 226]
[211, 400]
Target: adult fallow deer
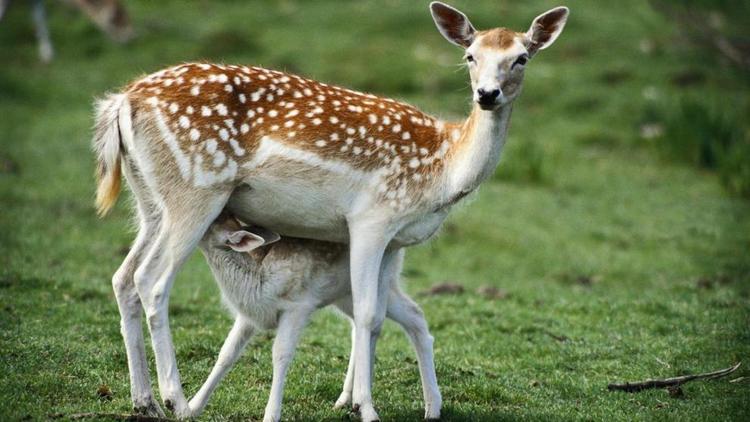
[301, 158]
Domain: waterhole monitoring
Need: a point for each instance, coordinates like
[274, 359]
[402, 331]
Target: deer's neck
[476, 153]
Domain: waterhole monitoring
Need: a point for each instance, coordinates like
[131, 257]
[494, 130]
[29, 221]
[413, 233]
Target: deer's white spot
[406, 136]
[273, 113]
[238, 150]
[221, 109]
[211, 146]
[184, 122]
[372, 118]
[205, 111]
[320, 143]
[195, 90]
[173, 108]
[244, 128]
[194, 134]
[255, 96]
[223, 134]
[316, 121]
[292, 113]
[219, 158]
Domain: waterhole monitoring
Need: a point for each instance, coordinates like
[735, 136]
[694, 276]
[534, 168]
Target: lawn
[614, 263]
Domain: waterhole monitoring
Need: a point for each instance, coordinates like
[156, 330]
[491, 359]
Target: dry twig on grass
[633, 387]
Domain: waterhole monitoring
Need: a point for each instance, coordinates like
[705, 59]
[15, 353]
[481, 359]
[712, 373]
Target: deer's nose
[487, 97]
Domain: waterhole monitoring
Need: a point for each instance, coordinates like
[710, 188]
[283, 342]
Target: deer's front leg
[367, 242]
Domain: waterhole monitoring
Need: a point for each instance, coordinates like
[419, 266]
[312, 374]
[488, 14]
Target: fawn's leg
[288, 333]
[232, 349]
[345, 397]
[406, 313]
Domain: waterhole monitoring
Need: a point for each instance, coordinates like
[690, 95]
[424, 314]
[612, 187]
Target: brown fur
[232, 108]
[211, 94]
[499, 38]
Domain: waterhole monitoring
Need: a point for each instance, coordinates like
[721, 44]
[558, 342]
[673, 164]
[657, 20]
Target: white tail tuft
[106, 145]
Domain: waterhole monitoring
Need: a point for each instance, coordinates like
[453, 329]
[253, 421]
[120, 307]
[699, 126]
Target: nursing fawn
[269, 283]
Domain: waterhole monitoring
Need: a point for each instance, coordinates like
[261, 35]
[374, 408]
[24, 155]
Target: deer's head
[497, 57]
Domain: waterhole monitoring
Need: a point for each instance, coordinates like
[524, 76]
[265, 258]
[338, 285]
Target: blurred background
[613, 242]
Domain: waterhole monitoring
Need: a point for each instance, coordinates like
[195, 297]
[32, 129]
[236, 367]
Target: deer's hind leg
[184, 220]
[128, 302]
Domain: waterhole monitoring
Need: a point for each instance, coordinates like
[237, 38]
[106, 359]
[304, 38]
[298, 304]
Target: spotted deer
[304, 159]
[270, 283]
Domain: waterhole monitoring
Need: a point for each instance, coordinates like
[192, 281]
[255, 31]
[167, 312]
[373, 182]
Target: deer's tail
[109, 129]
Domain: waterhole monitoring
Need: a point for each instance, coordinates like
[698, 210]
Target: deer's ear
[546, 28]
[244, 241]
[454, 25]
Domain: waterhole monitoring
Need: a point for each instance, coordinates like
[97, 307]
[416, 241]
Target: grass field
[617, 264]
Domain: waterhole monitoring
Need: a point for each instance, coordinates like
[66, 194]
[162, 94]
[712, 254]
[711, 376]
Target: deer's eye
[521, 60]
[469, 58]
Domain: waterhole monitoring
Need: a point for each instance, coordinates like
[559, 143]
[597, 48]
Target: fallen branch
[633, 387]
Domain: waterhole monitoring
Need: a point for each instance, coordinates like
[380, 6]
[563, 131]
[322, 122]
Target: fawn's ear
[454, 25]
[546, 28]
[245, 241]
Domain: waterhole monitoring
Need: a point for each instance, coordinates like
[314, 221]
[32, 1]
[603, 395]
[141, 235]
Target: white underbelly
[295, 194]
[295, 208]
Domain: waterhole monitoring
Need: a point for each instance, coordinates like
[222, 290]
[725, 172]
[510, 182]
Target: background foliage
[608, 230]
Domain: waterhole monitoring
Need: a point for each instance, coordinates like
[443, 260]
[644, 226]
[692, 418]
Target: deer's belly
[296, 194]
[301, 204]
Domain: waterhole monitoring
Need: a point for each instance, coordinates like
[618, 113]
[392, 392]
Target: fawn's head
[497, 57]
[227, 233]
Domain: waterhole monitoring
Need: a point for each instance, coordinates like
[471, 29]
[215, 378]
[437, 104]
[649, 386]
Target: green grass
[641, 264]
